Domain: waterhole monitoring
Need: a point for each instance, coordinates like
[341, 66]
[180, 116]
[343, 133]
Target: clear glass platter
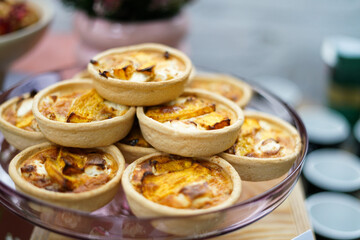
[115, 220]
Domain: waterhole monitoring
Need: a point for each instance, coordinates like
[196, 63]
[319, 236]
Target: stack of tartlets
[187, 148]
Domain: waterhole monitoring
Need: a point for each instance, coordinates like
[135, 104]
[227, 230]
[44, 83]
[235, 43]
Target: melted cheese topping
[80, 106]
[262, 139]
[68, 169]
[191, 114]
[181, 182]
[20, 114]
[220, 87]
[140, 66]
[135, 137]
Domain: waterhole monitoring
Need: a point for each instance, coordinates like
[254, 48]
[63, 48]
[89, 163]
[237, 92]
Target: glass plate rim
[295, 118]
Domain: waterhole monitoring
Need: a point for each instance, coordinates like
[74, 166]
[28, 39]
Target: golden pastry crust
[120, 74]
[80, 123]
[230, 87]
[214, 167]
[17, 123]
[143, 207]
[198, 123]
[84, 74]
[266, 148]
[131, 153]
[93, 198]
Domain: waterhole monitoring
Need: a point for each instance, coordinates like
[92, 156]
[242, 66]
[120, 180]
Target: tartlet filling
[180, 182]
[20, 113]
[140, 66]
[262, 139]
[220, 87]
[62, 169]
[191, 113]
[79, 107]
[135, 137]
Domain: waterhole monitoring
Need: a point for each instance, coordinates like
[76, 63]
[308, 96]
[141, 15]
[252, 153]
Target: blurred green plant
[129, 10]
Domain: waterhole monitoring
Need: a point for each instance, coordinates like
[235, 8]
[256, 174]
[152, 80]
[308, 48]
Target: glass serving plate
[115, 220]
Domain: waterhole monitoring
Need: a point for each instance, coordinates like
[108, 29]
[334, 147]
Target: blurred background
[307, 52]
[249, 38]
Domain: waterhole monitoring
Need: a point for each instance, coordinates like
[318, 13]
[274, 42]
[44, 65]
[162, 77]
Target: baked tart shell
[17, 137]
[82, 135]
[235, 83]
[192, 143]
[263, 169]
[140, 93]
[84, 201]
[144, 208]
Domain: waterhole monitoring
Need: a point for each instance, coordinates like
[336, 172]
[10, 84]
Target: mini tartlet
[266, 148]
[140, 75]
[134, 146]
[230, 87]
[81, 179]
[198, 123]
[71, 113]
[160, 184]
[18, 124]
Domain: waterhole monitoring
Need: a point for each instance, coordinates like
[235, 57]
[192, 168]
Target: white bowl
[324, 125]
[333, 170]
[15, 44]
[335, 215]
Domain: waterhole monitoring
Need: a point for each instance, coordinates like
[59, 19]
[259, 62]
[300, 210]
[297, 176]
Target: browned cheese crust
[74, 170]
[135, 137]
[20, 113]
[79, 106]
[140, 66]
[179, 182]
[262, 139]
[191, 112]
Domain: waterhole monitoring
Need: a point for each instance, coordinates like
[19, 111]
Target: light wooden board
[286, 222]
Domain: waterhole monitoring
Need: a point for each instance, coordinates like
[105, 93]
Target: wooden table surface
[289, 220]
[286, 222]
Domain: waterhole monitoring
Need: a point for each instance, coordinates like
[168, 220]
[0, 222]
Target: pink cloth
[54, 51]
